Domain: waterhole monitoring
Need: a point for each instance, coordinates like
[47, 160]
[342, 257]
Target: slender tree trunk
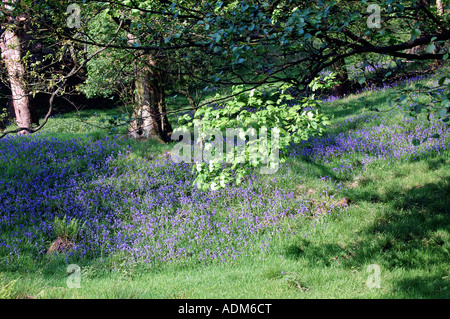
[11, 52]
[159, 100]
[440, 7]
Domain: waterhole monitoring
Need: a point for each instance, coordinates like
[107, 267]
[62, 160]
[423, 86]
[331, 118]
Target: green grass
[398, 219]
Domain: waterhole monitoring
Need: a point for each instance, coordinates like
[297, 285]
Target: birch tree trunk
[11, 52]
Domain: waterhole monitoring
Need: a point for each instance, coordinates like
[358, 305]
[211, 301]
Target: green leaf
[418, 108]
[442, 112]
[430, 48]
[415, 142]
[402, 98]
[416, 33]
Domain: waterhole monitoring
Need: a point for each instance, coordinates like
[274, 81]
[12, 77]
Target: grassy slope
[398, 219]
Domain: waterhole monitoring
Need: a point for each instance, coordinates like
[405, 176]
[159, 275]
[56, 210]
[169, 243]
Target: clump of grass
[6, 287]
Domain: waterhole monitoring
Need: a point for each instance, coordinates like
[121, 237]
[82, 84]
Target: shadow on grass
[304, 165]
[434, 286]
[347, 107]
[318, 256]
[410, 237]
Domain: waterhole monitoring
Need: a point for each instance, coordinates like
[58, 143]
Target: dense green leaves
[270, 122]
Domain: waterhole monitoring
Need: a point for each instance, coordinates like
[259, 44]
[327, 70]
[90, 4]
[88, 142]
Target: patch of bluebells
[384, 142]
[382, 87]
[219, 225]
[149, 211]
[41, 178]
[338, 185]
[143, 210]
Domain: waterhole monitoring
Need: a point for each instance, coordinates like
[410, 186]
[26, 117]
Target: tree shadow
[434, 164]
[317, 255]
[305, 166]
[348, 107]
[411, 236]
[423, 287]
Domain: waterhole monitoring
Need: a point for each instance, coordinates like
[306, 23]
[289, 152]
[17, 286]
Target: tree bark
[10, 47]
[149, 113]
[440, 10]
[143, 124]
[159, 99]
[440, 7]
[11, 52]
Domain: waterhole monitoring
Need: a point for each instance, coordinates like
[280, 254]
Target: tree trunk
[149, 114]
[159, 99]
[440, 7]
[343, 86]
[144, 124]
[11, 54]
